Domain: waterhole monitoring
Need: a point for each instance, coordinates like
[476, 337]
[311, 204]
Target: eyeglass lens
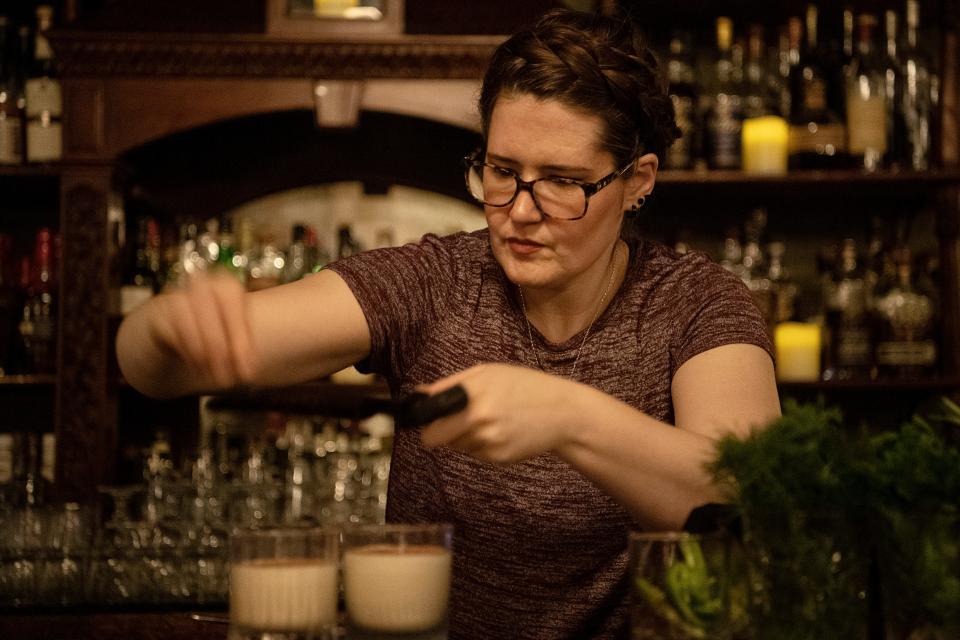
[497, 187]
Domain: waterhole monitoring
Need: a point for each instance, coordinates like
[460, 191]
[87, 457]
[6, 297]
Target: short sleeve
[401, 291]
[715, 309]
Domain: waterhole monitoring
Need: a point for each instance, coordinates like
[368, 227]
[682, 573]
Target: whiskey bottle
[683, 95]
[867, 100]
[892, 85]
[817, 134]
[916, 95]
[44, 106]
[38, 323]
[11, 116]
[143, 279]
[757, 97]
[724, 118]
[905, 326]
[847, 319]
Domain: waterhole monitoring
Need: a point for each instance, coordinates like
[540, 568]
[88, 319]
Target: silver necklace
[576, 360]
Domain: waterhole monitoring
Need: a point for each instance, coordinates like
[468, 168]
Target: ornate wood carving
[256, 56]
[86, 417]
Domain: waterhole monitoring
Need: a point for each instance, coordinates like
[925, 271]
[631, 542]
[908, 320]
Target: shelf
[30, 171]
[936, 385]
[806, 178]
[39, 380]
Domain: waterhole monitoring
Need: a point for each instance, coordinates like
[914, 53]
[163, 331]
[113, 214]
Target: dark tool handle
[418, 409]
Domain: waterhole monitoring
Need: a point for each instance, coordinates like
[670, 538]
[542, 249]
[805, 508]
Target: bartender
[600, 368]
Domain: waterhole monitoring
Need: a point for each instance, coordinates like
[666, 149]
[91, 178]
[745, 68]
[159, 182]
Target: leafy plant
[820, 500]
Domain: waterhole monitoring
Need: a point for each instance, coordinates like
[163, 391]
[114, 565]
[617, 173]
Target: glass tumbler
[283, 584]
[396, 580]
[686, 586]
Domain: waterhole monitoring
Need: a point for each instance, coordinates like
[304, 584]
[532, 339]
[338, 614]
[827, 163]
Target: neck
[559, 314]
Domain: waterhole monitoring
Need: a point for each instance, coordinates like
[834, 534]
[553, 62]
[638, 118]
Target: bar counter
[128, 625]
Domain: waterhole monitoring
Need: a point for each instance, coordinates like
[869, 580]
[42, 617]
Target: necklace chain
[576, 360]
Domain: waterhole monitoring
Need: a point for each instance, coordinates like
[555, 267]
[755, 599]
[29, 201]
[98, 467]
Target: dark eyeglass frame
[589, 188]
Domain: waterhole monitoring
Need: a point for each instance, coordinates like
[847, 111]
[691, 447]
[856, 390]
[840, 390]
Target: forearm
[655, 470]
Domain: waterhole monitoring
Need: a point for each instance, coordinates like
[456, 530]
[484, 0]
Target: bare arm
[214, 335]
[655, 470]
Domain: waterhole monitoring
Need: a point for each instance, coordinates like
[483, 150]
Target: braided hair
[595, 64]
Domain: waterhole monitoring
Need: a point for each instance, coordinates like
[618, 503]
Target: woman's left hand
[513, 413]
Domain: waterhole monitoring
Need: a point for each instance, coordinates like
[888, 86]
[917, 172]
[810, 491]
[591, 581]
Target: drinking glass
[686, 586]
[283, 584]
[397, 580]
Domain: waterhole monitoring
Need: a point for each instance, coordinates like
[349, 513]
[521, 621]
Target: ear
[642, 181]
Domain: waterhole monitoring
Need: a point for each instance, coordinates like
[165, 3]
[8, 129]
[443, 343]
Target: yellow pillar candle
[797, 346]
[765, 145]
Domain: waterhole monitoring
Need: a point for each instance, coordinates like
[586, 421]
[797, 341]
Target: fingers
[207, 327]
[452, 380]
[235, 320]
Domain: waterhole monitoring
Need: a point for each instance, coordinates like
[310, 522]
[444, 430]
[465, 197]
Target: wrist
[572, 408]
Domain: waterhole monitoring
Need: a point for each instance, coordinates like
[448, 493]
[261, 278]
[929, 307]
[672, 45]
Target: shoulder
[692, 272]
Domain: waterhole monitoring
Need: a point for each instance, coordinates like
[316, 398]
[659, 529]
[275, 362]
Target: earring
[636, 207]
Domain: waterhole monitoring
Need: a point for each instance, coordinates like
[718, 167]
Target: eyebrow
[545, 167]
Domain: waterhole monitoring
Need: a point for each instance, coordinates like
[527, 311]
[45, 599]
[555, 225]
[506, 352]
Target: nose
[524, 209]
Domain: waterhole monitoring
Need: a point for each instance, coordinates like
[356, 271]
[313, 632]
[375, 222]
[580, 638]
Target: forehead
[542, 131]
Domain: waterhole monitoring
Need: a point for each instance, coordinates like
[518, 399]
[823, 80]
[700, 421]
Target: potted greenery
[848, 534]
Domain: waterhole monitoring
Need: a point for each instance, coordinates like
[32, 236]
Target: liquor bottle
[11, 118]
[847, 319]
[316, 256]
[892, 84]
[266, 266]
[44, 100]
[905, 324]
[724, 118]
[296, 265]
[10, 306]
[229, 257]
[683, 95]
[757, 98]
[732, 254]
[346, 245]
[755, 272]
[778, 80]
[817, 134]
[38, 323]
[143, 279]
[22, 62]
[847, 42]
[7, 461]
[866, 99]
[782, 286]
[916, 94]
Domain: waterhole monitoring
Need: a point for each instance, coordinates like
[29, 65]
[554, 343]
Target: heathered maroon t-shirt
[539, 552]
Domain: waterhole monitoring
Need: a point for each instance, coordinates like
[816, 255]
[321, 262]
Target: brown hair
[598, 65]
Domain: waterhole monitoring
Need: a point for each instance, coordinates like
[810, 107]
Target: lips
[524, 247]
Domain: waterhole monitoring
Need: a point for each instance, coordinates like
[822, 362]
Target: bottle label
[853, 347]
[43, 95]
[814, 94]
[44, 141]
[907, 354]
[867, 123]
[813, 137]
[6, 458]
[49, 456]
[11, 139]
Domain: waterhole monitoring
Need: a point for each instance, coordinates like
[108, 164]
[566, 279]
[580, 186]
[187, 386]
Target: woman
[599, 371]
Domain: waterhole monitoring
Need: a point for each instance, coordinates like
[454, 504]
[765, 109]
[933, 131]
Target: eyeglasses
[555, 197]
